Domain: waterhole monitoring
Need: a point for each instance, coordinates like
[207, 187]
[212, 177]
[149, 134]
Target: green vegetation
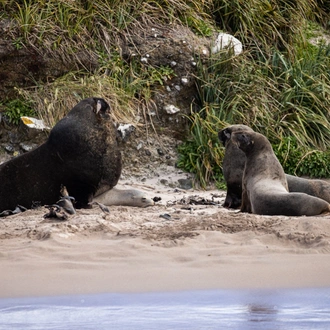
[280, 85]
[298, 160]
[202, 153]
[15, 109]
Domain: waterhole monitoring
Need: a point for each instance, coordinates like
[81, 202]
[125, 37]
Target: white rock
[171, 109]
[125, 130]
[184, 81]
[225, 40]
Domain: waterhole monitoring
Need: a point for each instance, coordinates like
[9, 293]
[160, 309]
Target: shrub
[16, 109]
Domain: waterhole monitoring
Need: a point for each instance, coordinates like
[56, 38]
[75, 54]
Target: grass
[280, 85]
[202, 153]
[64, 29]
[287, 100]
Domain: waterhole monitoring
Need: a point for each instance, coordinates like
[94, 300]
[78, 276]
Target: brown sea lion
[125, 197]
[233, 167]
[265, 189]
[81, 153]
[313, 187]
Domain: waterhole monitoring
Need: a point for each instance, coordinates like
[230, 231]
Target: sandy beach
[186, 241]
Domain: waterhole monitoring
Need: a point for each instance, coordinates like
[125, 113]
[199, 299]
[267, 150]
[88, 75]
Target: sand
[173, 245]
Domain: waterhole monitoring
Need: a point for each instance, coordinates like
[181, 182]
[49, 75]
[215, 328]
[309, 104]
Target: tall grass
[287, 100]
[126, 86]
[280, 85]
[66, 28]
[264, 24]
[53, 100]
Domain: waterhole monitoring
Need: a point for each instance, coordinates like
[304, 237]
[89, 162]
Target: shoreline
[173, 245]
[156, 271]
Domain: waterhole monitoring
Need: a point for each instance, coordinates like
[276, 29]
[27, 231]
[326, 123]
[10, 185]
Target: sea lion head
[243, 140]
[134, 197]
[92, 111]
[249, 142]
[225, 134]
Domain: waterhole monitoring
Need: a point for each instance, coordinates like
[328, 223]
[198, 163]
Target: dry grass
[279, 85]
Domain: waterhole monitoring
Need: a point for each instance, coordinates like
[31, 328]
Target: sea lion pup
[81, 153]
[125, 197]
[233, 167]
[265, 189]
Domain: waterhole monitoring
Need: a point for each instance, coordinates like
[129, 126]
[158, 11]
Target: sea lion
[80, 153]
[313, 187]
[125, 197]
[264, 188]
[233, 167]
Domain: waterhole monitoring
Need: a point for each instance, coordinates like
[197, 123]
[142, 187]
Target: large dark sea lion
[81, 153]
[233, 167]
[265, 189]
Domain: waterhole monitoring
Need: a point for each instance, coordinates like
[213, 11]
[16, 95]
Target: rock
[160, 152]
[27, 147]
[184, 81]
[164, 182]
[125, 131]
[225, 40]
[9, 148]
[185, 184]
[171, 109]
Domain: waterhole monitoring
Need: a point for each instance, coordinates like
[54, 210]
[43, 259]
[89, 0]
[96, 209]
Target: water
[214, 309]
